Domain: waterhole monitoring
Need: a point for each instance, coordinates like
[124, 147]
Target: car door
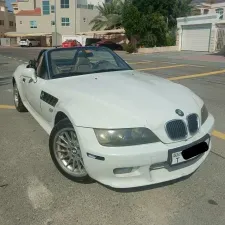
[33, 89]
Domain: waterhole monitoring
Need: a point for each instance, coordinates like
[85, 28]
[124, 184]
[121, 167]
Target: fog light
[124, 170]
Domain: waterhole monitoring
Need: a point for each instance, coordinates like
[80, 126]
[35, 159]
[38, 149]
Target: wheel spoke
[68, 162]
[78, 165]
[68, 138]
[64, 157]
[74, 164]
[81, 161]
[62, 144]
[62, 151]
[63, 139]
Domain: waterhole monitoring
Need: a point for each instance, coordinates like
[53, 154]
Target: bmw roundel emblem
[179, 112]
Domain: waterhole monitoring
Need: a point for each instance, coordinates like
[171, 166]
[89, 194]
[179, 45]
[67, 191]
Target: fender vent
[49, 99]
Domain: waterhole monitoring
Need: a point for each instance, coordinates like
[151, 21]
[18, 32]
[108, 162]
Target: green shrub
[171, 38]
[130, 48]
[148, 41]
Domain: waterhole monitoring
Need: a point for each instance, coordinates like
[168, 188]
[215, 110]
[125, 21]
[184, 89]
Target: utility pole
[75, 28]
[56, 36]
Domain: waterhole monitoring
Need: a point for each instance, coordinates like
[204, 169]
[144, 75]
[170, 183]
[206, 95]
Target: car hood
[124, 99]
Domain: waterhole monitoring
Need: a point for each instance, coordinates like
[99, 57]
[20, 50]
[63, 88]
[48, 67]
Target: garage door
[196, 37]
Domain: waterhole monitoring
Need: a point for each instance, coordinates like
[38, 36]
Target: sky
[8, 3]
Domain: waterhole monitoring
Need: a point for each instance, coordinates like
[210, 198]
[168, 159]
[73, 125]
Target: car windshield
[84, 60]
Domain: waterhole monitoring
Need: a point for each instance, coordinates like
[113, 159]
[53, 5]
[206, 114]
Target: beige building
[37, 17]
[7, 19]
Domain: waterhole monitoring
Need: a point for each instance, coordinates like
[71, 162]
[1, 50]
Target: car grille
[178, 130]
[193, 123]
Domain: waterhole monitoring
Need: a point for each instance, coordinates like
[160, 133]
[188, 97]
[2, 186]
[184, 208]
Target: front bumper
[150, 160]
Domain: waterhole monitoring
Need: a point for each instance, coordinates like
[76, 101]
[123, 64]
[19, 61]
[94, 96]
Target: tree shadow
[5, 81]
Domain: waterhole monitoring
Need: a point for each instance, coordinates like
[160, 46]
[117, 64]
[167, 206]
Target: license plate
[189, 152]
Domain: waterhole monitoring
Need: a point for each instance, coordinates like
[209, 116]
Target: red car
[70, 43]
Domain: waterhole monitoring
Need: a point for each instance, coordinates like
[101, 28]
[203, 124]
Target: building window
[206, 11]
[1, 22]
[52, 8]
[65, 4]
[89, 6]
[11, 23]
[45, 7]
[53, 22]
[65, 21]
[219, 11]
[33, 24]
[20, 22]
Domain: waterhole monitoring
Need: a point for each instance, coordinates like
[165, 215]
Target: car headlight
[204, 113]
[125, 137]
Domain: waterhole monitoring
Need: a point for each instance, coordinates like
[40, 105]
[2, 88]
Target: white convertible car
[110, 123]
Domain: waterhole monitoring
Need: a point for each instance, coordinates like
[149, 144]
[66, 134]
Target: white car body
[29, 42]
[124, 99]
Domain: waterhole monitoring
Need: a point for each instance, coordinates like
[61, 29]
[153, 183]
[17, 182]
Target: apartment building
[7, 19]
[15, 7]
[45, 17]
[211, 7]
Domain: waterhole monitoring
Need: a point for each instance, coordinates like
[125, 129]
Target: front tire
[66, 153]
[17, 99]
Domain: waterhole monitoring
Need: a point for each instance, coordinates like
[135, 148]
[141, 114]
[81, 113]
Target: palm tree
[110, 16]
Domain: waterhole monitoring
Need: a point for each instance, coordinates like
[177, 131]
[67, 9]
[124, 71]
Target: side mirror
[33, 63]
[30, 73]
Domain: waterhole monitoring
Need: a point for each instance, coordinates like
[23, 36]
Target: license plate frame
[175, 156]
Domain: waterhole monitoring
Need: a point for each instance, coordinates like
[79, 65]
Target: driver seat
[83, 65]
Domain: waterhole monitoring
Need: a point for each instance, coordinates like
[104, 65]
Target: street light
[56, 38]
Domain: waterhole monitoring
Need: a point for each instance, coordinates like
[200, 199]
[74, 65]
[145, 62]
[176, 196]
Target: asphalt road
[33, 192]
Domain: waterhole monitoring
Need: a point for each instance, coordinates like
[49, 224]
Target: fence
[8, 41]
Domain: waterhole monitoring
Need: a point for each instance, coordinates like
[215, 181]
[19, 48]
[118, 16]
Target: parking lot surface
[33, 192]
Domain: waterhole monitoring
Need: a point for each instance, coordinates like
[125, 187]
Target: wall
[158, 49]
[43, 24]
[26, 5]
[202, 19]
[84, 17]
[6, 17]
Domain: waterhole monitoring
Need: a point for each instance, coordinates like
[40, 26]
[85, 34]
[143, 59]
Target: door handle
[24, 80]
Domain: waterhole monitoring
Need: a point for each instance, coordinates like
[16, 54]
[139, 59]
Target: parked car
[101, 129]
[91, 41]
[29, 42]
[70, 43]
[109, 44]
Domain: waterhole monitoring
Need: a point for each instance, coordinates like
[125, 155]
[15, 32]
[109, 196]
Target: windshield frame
[116, 57]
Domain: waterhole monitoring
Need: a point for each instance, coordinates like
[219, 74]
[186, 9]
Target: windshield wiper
[109, 70]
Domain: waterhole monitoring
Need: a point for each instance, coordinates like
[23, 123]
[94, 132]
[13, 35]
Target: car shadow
[149, 187]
